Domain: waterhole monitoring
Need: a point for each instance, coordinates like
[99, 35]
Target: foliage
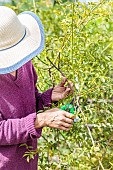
[79, 42]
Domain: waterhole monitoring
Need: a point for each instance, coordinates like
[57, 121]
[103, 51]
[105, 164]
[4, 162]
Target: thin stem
[34, 5]
[42, 61]
[56, 67]
[58, 145]
[50, 75]
[106, 149]
[83, 21]
[89, 131]
[72, 30]
[86, 18]
[85, 122]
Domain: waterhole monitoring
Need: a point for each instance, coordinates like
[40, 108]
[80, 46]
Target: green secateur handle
[71, 109]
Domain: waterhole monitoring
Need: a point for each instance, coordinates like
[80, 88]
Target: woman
[21, 39]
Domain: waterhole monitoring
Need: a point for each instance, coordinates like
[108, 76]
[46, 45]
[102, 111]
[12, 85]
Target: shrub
[79, 42]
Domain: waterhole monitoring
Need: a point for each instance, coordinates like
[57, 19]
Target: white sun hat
[21, 38]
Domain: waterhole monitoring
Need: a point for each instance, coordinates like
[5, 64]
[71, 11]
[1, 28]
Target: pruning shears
[71, 108]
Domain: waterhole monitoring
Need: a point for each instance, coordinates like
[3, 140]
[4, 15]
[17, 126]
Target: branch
[56, 67]
[89, 131]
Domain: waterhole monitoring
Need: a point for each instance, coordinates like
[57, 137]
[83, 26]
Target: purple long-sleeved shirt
[19, 101]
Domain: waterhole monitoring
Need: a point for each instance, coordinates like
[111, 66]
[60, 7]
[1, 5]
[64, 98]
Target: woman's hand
[55, 118]
[61, 91]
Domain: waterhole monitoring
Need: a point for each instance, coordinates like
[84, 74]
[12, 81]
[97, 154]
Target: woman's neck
[13, 73]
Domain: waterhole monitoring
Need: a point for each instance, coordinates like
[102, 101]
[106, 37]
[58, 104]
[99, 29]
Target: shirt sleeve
[42, 99]
[17, 131]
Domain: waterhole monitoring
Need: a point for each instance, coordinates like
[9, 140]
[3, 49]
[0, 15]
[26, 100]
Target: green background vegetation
[79, 42]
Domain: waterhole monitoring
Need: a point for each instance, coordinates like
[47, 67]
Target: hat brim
[28, 47]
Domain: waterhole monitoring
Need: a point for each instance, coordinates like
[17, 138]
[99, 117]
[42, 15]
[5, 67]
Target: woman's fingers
[69, 115]
[69, 121]
[59, 119]
[66, 92]
[66, 125]
[62, 83]
[70, 85]
[64, 128]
